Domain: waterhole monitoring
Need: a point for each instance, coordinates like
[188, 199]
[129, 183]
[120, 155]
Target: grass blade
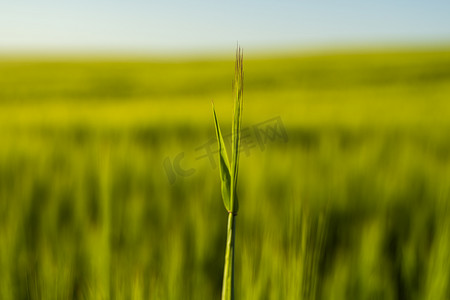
[224, 166]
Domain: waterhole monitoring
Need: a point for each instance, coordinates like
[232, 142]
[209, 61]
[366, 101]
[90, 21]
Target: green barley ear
[229, 177]
[236, 128]
[224, 165]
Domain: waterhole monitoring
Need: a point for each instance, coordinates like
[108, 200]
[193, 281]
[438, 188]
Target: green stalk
[228, 272]
[229, 178]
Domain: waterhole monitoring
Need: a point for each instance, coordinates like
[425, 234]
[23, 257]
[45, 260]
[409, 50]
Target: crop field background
[107, 190]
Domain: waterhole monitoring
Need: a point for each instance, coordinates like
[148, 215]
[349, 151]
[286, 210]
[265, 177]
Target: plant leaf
[224, 166]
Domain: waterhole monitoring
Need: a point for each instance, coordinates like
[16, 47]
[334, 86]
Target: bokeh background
[109, 187]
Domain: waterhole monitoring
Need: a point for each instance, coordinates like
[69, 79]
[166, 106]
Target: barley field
[110, 188]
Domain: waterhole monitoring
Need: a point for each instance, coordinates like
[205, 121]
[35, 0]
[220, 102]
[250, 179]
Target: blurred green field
[355, 204]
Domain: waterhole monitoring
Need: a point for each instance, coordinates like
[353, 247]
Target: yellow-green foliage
[355, 205]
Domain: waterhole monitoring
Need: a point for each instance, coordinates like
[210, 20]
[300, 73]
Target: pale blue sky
[187, 26]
